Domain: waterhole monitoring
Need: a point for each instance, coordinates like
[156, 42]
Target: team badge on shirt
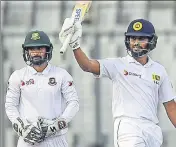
[52, 81]
[156, 78]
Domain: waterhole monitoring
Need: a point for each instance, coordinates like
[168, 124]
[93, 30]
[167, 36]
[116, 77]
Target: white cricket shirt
[49, 94]
[137, 89]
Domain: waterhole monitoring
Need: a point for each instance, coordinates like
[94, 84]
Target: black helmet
[37, 39]
[141, 28]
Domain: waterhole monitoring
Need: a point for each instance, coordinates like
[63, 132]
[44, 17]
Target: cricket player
[139, 84]
[41, 98]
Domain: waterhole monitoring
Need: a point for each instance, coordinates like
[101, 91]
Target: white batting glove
[69, 28]
[51, 127]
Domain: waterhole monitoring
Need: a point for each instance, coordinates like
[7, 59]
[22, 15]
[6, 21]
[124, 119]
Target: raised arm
[101, 68]
[86, 64]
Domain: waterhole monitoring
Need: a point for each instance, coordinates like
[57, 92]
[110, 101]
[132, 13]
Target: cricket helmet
[37, 39]
[141, 28]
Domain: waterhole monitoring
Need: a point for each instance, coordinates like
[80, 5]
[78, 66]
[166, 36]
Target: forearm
[83, 61]
[70, 111]
[171, 111]
[172, 117]
[11, 110]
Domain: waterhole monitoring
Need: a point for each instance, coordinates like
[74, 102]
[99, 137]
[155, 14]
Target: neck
[143, 60]
[41, 67]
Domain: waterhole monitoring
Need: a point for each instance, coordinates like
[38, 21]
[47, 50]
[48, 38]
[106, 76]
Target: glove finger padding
[74, 29]
[68, 23]
[51, 127]
[33, 134]
[75, 40]
[67, 28]
[47, 127]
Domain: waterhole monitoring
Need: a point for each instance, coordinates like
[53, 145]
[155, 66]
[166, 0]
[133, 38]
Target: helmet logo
[137, 26]
[35, 36]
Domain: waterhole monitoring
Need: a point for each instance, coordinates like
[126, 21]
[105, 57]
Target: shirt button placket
[143, 72]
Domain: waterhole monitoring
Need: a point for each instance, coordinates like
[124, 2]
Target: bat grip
[65, 44]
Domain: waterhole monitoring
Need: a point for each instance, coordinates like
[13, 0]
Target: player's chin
[38, 61]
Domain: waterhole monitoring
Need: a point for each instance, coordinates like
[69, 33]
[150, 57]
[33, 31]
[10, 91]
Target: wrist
[62, 124]
[75, 44]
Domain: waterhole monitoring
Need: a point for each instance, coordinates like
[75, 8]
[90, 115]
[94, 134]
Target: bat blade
[80, 10]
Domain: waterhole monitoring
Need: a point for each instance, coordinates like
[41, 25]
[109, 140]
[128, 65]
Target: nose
[136, 42]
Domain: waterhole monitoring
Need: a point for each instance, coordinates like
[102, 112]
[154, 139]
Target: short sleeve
[108, 68]
[166, 92]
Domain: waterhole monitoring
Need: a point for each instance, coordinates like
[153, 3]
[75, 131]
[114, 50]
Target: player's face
[138, 43]
[37, 55]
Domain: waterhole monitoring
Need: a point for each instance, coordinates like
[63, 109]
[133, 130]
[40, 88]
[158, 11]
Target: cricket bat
[78, 14]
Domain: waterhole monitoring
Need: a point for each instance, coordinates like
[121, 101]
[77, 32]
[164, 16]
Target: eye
[32, 48]
[42, 49]
[133, 38]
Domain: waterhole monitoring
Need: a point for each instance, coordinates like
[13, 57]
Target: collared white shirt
[31, 94]
[137, 89]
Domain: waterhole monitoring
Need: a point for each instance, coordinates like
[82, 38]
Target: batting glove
[31, 133]
[75, 30]
[51, 127]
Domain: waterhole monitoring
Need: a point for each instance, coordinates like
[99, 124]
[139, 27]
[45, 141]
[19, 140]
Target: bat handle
[65, 44]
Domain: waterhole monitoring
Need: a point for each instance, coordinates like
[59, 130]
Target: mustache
[36, 56]
[137, 47]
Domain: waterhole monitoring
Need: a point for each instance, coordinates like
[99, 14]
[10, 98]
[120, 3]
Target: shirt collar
[132, 60]
[45, 71]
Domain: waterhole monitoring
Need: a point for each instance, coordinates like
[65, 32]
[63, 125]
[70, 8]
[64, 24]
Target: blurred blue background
[103, 36]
